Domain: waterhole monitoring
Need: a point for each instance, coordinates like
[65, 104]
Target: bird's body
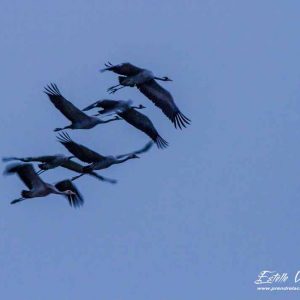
[140, 78]
[39, 188]
[107, 162]
[42, 191]
[146, 82]
[86, 124]
[79, 120]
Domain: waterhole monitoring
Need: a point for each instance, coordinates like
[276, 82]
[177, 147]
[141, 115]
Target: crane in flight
[79, 120]
[38, 188]
[146, 82]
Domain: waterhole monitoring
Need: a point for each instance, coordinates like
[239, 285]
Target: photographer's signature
[269, 277]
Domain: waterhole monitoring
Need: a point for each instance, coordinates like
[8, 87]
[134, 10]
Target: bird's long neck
[119, 161]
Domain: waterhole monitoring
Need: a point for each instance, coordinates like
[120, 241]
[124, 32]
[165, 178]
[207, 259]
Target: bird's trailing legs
[40, 172]
[78, 176]
[105, 179]
[115, 88]
[59, 129]
[108, 65]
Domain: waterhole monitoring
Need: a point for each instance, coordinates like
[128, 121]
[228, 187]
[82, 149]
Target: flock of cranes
[130, 76]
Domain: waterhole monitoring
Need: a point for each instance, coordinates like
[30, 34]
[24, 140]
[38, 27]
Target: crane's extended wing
[164, 100]
[146, 148]
[68, 109]
[75, 200]
[45, 158]
[104, 103]
[76, 167]
[26, 173]
[143, 123]
[81, 152]
[126, 69]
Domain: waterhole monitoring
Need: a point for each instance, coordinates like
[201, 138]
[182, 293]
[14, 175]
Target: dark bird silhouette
[79, 120]
[59, 160]
[143, 123]
[96, 160]
[133, 117]
[38, 188]
[145, 81]
[112, 106]
[47, 161]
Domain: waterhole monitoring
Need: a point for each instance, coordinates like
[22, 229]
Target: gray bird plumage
[79, 120]
[38, 188]
[53, 161]
[96, 160]
[145, 81]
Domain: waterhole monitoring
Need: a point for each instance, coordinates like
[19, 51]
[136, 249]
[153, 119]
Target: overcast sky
[198, 220]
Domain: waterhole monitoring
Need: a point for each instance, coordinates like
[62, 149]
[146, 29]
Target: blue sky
[198, 220]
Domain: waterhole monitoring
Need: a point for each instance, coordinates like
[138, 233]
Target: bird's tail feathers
[121, 79]
[25, 194]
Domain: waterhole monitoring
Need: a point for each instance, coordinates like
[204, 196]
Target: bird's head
[165, 78]
[141, 106]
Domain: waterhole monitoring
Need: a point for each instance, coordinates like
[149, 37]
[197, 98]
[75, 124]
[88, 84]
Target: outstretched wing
[126, 69]
[81, 152]
[164, 100]
[105, 103]
[143, 123]
[26, 173]
[75, 200]
[68, 109]
[146, 148]
[45, 158]
[76, 167]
